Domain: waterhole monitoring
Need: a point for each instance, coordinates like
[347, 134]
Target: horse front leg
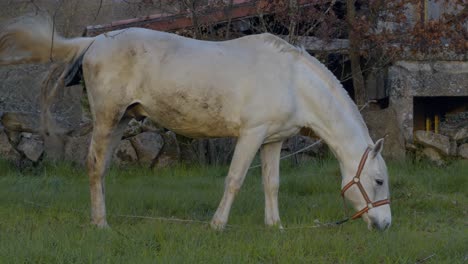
[104, 139]
[246, 148]
[270, 155]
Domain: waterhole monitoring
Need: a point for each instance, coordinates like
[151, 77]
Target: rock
[431, 139]
[463, 151]
[26, 135]
[453, 148]
[411, 147]
[76, 148]
[53, 136]
[14, 137]
[83, 129]
[54, 146]
[462, 134]
[133, 129]
[456, 118]
[7, 151]
[433, 155]
[31, 146]
[21, 122]
[170, 152]
[147, 146]
[148, 125]
[384, 124]
[125, 154]
[458, 133]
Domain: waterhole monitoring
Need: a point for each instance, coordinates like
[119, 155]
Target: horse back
[196, 88]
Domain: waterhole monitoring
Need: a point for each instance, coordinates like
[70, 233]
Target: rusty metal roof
[171, 22]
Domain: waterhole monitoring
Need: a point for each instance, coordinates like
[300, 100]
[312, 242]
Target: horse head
[368, 189]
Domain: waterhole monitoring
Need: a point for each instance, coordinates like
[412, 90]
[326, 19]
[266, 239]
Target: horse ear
[377, 148]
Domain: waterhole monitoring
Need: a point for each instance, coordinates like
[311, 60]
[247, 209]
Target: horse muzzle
[379, 218]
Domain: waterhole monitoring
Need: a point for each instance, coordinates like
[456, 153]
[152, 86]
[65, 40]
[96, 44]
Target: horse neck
[346, 141]
[333, 116]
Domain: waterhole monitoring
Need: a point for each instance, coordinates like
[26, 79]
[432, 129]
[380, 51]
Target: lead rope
[178, 220]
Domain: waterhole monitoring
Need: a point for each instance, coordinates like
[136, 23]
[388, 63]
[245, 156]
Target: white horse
[258, 88]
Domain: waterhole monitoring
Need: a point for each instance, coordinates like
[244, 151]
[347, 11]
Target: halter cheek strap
[357, 181]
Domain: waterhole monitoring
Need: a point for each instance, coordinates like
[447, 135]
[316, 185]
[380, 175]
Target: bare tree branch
[355, 58]
[320, 20]
[293, 14]
[98, 11]
[229, 15]
[36, 7]
[60, 2]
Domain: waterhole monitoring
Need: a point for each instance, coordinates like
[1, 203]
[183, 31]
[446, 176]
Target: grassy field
[44, 217]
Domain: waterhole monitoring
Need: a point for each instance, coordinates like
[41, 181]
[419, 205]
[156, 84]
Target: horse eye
[379, 182]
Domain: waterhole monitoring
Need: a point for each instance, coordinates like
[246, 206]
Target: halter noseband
[356, 180]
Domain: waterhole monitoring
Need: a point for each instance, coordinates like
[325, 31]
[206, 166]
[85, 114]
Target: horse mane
[337, 88]
[282, 46]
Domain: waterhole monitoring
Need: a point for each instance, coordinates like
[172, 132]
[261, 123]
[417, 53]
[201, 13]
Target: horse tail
[32, 39]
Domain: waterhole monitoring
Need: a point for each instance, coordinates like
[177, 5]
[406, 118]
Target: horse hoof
[101, 225]
[217, 225]
[274, 225]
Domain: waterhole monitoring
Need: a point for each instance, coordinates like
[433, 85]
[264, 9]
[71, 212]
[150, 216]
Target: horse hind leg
[246, 148]
[270, 155]
[107, 132]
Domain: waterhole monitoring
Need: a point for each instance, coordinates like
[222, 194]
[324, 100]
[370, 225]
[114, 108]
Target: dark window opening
[430, 112]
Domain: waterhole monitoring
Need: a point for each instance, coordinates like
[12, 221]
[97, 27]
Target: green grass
[429, 206]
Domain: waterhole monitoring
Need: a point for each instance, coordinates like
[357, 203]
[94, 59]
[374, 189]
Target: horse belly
[194, 118]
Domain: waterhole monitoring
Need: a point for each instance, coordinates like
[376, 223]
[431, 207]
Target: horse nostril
[383, 226]
[387, 225]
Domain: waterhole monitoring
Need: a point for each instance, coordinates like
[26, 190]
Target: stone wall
[383, 123]
[430, 81]
[408, 79]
